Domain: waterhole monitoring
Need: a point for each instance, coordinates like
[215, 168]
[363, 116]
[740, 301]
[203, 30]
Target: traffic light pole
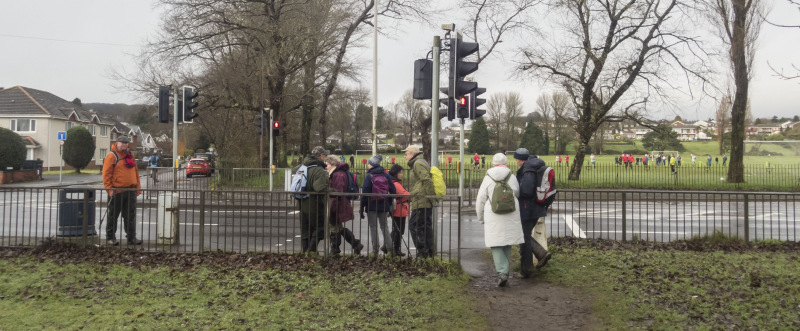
[261, 142]
[437, 44]
[175, 140]
[271, 142]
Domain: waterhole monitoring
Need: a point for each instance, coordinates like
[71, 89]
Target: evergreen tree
[479, 138]
[12, 150]
[79, 148]
[662, 138]
[533, 139]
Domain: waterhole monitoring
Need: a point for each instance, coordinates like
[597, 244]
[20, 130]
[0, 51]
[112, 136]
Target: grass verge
[229, 292]
[705, 283]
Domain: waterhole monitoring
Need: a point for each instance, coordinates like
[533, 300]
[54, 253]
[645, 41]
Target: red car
[198, 167]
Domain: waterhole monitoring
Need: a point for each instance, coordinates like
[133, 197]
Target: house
[686, 132]
[38, 116]
[767, 129]
[640, 131]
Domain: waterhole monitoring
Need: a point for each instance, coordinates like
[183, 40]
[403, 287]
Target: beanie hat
[521, 154]
[500, 159]
[375, 160]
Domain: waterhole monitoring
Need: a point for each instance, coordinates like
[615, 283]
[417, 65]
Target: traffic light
[163, 104]
[459, 68]
[423, 79]
[449, 111]
[276, 128]
[463, 108]
[475, 102]
[260, 122]
[189, 105]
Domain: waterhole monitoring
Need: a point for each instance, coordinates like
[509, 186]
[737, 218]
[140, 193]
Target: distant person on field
[725, 160]
[352, 161]
[591, 158]
[420, 182]
[566, 158]
[694, 160]
[364, 162]
[400, 213]
[716, 160]
[500, 230]
[120, 172]
[340, 206]
[476, 159]
[672, 163]
[709, 160]
[531, 212]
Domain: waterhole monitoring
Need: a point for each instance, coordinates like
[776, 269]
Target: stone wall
[17, 176]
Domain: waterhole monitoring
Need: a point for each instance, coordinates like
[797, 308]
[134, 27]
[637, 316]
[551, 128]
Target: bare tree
[512, 111]
[544, 104]
[615, 55]
[739, 23]
[490, 21]
[494, 110]
[723, 119]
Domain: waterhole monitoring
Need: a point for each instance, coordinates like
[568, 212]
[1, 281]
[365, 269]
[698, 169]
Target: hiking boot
[542, 255]
[358, 248]
[383, 249]
[503, 280]
[112, 242]
[398, 252]
[134, 241]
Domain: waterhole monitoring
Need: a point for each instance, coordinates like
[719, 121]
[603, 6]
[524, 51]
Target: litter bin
[71, 211]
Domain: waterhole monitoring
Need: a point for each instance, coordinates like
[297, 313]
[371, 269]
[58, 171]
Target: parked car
[197, 167]
[208, 157]
[142, 162]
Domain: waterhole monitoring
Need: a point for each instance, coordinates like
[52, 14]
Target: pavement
[89, 179]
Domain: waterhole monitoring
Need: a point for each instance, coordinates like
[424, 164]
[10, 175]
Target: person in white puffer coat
[500, 230]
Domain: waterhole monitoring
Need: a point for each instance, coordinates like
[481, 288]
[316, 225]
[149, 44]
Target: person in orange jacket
[400, 213]
[120, 173]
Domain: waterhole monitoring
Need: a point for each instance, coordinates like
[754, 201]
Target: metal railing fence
[198, 221]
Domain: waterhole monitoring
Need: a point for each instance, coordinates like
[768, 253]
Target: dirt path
[525, 304]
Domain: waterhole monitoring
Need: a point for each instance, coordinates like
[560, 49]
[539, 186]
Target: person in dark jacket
[531, 212]
[312, 209]
[400, 213]
[341, 208]
[377, 208]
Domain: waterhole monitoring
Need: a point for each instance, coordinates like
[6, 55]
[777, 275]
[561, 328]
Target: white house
[38, 116]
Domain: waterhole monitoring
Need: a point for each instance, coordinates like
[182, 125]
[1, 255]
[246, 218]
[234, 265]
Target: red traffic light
[276, 125]
[463, 101]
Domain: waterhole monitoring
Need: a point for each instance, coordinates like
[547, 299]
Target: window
[113, 136]
[103, 153]
[69, 125]
[29, 155]
[103, 131]
[23, 125]
[92, 129]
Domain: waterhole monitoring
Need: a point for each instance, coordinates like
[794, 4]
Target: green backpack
[503, 201]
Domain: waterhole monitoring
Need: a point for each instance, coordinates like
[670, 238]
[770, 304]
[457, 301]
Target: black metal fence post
[202, 220]
[746, 218]
[624, 217]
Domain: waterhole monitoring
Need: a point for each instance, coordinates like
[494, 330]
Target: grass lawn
[704, 284]
[47, 293]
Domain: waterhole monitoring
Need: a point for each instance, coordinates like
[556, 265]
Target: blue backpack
[299, 181]
[154, 161]
[352, 185]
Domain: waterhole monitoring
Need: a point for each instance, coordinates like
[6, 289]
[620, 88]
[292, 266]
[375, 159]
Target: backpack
[380, 185]
[503, 200]
[153, 161]
[438, 182]
[546, 187]
[352, 185]
[299, 181]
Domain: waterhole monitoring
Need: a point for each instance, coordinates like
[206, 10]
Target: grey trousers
[373, 218]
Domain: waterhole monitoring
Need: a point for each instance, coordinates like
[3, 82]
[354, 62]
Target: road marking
[193, 224]
[576, 230]
[294, 212]
[637, 232]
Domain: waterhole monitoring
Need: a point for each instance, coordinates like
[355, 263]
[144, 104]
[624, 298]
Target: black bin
[71, 211]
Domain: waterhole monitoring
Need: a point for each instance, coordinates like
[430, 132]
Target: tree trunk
[307, 107]
[426, 139]
[577, 164]
[741, 80]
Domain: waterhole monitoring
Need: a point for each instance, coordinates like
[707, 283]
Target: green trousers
[500, 255]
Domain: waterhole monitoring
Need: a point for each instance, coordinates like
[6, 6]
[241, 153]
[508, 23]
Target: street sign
[61, 142]
[62, 135]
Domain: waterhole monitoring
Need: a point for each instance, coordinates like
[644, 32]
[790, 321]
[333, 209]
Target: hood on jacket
[533, 164]
[343, 166]
[310, 160]
[414, 159]
[377, 170]
[498, 173]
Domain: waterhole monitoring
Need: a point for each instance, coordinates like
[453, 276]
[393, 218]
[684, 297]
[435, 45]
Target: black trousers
[526, 248]
[312, 228]
[122, 203]
[398, 229]
[421, 228]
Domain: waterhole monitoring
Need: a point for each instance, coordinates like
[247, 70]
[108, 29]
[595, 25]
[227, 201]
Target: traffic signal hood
[163, 104]
[475, 102]
[459, 68]
[260, 122]
[189, 104]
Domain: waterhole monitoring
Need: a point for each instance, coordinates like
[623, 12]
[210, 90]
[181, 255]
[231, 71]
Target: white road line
[638, 232]
[294, 212]
[193, 224]
[576, 230]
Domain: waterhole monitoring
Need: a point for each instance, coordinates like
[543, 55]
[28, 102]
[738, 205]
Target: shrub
[12, 150]
[79, 148]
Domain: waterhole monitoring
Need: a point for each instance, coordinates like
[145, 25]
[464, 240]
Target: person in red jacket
[341, 208]
[400, 213]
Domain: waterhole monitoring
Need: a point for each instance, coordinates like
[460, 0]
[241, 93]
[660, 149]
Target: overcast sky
[68, 47]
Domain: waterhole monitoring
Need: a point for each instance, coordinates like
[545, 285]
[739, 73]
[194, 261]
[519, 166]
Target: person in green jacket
[420, 223]
[312, 209]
